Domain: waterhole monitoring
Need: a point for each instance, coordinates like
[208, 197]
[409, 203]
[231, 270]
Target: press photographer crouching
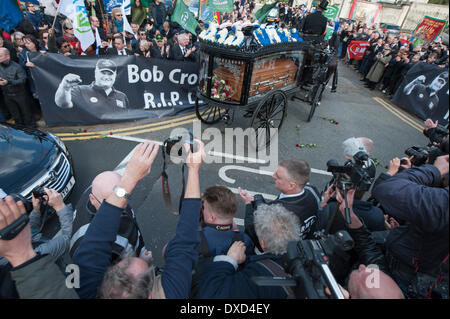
[417, 251]
[31, 270]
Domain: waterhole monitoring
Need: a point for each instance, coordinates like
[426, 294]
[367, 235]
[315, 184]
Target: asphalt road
[358, 111]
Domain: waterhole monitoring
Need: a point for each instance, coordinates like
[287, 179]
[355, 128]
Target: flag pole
[54, 19]
[100, 2]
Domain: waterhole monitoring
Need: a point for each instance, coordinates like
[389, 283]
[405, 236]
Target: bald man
[129, 241]
[368, 282]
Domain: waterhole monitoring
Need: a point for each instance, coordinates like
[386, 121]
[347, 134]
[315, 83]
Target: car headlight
[59, 142]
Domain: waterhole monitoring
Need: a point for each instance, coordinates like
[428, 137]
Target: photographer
[275, 226]
[419, 247]
[35, 275]
[134, 277]
[55, 247]
[370, 260]
[59, 245]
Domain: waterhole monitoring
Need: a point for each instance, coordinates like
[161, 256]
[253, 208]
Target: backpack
[205, 257]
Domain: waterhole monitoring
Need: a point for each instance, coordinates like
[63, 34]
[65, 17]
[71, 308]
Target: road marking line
[402, 116]
[127, 128]
[128, 133]
[237, 157]
[224, 177]
[397, 113]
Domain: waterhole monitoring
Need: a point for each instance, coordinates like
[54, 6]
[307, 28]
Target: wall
[419, 10]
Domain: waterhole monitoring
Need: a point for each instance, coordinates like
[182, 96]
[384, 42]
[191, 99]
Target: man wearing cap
[315, 24]
[95, 99]
[161, 50]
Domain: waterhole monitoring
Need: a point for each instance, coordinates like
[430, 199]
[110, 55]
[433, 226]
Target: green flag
[332, 12]
[184, 17]
[262, 13]
[221, 5]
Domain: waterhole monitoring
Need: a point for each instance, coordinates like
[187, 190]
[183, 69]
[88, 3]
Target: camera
[423, 154]
[351, 175]
[178, 142]
[309, 262]
[39, 192]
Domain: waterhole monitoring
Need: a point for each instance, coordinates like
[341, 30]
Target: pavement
[350, 112]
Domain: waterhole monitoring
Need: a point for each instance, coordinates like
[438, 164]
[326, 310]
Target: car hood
[23, 157]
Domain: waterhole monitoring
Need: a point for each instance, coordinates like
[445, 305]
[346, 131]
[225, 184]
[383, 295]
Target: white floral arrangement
[209, 34]
[273, 35]
[222, 35]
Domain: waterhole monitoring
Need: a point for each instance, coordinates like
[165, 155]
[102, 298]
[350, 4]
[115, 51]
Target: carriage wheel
[211, 114]
[270, 113]
[316, 100]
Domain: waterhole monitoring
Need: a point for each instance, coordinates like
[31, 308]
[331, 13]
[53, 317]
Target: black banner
[107, 89]
[424, 92]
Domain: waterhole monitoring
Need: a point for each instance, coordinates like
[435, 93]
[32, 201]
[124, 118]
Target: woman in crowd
[70, 36]
[138, 13]
[116, 26]
[17, 40]
[381, 62]
[144, 47]
[44, 39]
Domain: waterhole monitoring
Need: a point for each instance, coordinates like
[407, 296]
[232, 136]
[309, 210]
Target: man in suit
[180, 51]
[119, 48]
[291, 178]
[315, 24]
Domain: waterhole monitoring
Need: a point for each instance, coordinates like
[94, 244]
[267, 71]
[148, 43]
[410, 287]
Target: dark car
[31, 158]
[390, 28]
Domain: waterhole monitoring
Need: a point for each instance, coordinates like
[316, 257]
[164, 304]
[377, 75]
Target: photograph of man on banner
[97, 97]
[427, 95]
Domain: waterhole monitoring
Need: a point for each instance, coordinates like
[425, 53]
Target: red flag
[217, 17]
[356, 49]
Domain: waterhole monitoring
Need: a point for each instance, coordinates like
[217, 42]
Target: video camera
[350, 176]
[438, 146]
[308, 261]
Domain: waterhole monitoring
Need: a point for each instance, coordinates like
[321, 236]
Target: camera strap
[166, 189]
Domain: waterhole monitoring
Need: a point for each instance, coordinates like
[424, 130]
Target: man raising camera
[418, 248]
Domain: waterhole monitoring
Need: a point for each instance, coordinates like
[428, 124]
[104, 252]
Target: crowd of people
[389, 56]
[399, 230]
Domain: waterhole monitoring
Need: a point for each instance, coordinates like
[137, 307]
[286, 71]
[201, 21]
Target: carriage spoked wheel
[211, 114]
[269, 114]
[316, 100]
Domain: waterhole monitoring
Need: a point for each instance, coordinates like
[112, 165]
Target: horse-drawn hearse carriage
[259, 75]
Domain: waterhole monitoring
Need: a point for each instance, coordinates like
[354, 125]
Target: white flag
[126, 25]
[76, 11]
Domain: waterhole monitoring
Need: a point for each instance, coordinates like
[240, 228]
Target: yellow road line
[400, 115]
[190, 116]
[153, 129]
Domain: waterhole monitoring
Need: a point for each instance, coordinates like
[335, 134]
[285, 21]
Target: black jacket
[304, 206]
[412, 196]
[315, 23]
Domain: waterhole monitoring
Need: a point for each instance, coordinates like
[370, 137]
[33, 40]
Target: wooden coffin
[267, 75]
